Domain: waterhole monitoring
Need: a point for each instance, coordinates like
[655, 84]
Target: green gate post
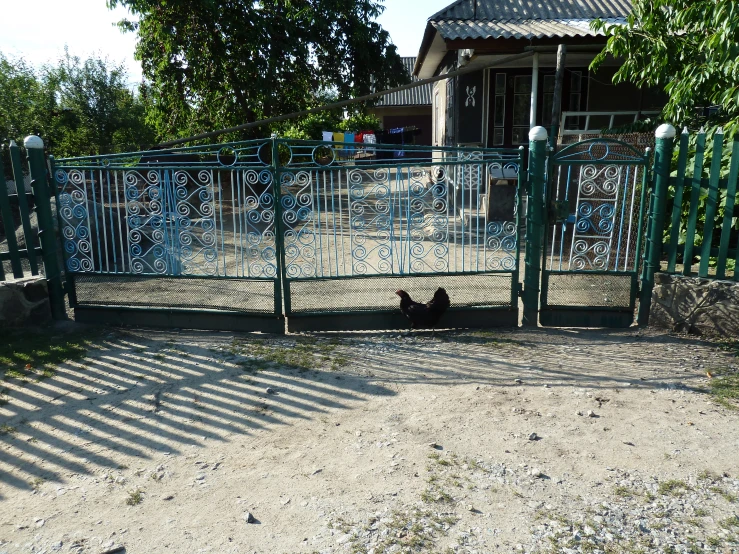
[534, 225]
[41, 190]
[665, 135]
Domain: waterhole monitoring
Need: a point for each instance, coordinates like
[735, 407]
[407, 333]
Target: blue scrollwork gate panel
[188, 216]
[359, 224]
[596, 200]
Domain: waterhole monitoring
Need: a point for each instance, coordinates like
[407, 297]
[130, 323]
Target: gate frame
[537, 281]
[468, 316]
[155, 316]
[383, 319]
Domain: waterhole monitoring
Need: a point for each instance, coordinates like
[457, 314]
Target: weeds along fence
[701, 228]
[28, 243]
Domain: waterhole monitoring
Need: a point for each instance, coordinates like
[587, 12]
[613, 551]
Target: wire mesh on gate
[378, 293]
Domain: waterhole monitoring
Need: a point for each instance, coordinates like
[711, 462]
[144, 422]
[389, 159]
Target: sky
[39, 31]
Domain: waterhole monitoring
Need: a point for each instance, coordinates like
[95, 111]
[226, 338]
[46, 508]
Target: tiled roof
[530, 28]
[523, 10]
[416, 96]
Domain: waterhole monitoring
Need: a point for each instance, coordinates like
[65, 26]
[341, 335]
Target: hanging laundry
[349, 138]
[370, 138]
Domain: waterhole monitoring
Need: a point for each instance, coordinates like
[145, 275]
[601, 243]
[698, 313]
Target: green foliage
[78, 107]
[23, 100]
[100, 114]
[220, 63]
[689, 48]
[312, 126]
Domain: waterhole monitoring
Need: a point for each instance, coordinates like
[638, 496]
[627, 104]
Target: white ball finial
[665, 131]
[32, 141]
[538, 133]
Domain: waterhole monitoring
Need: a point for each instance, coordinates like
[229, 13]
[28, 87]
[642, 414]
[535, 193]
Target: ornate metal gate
[361, 222]
[240, 235]
[185, 237]
[594, 224]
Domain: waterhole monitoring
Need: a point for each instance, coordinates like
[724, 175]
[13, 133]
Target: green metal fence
[701, 228]
[245, 235]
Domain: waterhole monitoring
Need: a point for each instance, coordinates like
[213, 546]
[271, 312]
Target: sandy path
[338, 459]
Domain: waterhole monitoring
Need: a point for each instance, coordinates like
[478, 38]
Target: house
[497, 105]
[407, 108]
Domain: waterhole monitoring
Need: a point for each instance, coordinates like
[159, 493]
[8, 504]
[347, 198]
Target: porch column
[534, 90]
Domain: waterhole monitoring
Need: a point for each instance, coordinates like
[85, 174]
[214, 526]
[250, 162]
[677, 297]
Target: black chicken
[424, 316]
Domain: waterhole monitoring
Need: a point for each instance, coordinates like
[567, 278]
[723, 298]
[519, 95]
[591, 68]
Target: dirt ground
[536, 441]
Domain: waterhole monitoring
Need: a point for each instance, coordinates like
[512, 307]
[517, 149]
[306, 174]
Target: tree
[21, 100]
[96, 113]
[220, 63]
[689, 48]
[78, 107]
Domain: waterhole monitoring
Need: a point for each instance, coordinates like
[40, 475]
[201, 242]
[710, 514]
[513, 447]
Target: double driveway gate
[244, 235]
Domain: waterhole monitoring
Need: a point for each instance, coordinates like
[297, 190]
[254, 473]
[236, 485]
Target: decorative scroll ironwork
[206, 212]
[600, 181]
[598, 197]
[343, 210]
[601, 151]
[365, 216]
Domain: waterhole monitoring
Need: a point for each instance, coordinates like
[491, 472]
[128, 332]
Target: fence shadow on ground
[147, 394]
[144, 393]
[554, 357]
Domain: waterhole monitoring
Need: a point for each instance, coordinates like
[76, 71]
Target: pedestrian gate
[596, 196]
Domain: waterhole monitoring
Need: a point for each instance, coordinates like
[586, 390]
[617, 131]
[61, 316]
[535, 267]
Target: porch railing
[592, 123]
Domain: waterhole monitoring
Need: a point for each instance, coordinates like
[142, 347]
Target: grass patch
[729, 497]
[730, 523]
[306, 354]
[714, 541]
[135, 497]
[36, 483]
[7, 429]
[624, 492]
[708, 475]
[725, 390]
[673, 487]
[27, 355]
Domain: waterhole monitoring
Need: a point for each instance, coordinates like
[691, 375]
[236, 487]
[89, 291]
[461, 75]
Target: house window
[547, 100]
[499, 115]
[521, 108]
[575, 98]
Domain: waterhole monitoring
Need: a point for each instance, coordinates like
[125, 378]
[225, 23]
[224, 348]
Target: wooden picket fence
[29, 245]
[16, 202]
[702, 241]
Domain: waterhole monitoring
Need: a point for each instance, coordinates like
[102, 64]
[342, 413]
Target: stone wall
[24, 302]
[694, 305]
